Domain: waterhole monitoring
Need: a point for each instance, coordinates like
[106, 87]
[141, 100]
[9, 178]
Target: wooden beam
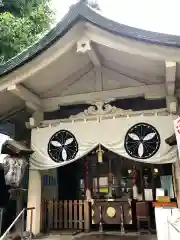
[32, 100]
[171, 100]
[31, 107]
[170, 77]
[84, 46]
[94, 57]
[156, 91]
[35, 120]
[98, 79]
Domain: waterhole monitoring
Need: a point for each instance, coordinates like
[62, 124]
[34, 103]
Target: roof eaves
[76, 13]
[44, 43]
[130, 32]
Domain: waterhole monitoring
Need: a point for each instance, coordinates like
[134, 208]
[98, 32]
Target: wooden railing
[72, 214]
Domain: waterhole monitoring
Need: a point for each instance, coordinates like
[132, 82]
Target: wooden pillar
[34, 200]
[86, 216]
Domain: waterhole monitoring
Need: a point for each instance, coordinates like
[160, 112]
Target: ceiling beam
[98, 79]
[156, 91]
[63, 85]
[171, 100]
[94, 57]
[84, 46]
[32, 101]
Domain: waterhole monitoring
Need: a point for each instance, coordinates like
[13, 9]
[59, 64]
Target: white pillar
[177, 182]
[34, 200]
[178, 191]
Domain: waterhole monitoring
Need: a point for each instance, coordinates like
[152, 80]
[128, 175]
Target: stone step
[86, 236]
[99, 236]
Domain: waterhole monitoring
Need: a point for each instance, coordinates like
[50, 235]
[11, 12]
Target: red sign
[177, 125]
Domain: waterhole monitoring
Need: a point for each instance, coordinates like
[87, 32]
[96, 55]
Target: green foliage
[19, 32]
[22, 7]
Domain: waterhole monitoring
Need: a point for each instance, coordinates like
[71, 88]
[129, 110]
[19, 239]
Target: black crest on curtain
[142, 141]
[62, 146]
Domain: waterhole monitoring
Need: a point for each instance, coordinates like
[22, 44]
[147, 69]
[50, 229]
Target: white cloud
[159, 16]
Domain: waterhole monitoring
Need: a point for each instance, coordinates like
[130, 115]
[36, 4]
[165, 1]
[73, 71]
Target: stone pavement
[98, 236]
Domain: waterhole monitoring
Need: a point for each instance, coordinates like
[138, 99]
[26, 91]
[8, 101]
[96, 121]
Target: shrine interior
[114, 180]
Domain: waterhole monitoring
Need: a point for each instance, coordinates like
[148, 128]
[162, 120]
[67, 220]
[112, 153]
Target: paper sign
[177, 132]
[148, 194]
[159, 193]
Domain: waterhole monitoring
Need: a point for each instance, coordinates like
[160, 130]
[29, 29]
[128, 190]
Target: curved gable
[81, 12]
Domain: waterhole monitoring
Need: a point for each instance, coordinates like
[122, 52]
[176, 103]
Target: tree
[21, 7]
[22, 25]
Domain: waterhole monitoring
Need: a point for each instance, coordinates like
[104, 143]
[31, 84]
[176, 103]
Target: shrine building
[96, 101]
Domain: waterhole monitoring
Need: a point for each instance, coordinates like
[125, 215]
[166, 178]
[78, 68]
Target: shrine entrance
[106, 188]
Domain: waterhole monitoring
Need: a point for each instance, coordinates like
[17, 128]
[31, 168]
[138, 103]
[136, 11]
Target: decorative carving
[83, 45]
[101, 108]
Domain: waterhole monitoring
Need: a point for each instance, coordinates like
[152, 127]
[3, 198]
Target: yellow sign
[163, 199]
[103, 190]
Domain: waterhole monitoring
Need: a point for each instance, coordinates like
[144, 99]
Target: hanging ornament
[86, 173]
[134, 175]
[100, 154]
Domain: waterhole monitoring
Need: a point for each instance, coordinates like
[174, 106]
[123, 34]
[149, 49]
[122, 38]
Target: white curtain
[167, 184]
[162, 227]
[174, 224]
[110, 133]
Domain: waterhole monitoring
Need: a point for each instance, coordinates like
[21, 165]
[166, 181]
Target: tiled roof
[79, 12]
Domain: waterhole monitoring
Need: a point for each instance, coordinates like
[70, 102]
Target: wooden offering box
[165, 204]
[111, 211]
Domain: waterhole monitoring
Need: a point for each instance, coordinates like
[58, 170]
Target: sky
[153, 15]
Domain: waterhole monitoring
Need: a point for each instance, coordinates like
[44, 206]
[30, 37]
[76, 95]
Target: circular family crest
[62, 146]
[142, 141]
